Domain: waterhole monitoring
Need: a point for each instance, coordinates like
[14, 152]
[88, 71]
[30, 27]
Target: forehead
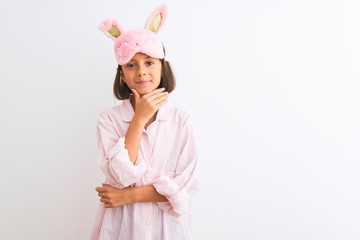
[139, 56]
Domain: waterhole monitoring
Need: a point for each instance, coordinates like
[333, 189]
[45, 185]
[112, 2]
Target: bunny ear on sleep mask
[144, 40]
[157, 19]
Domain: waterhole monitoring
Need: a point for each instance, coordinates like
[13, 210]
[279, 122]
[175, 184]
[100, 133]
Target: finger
[161, 96]
[160, 99]
[156, 106]
[160, 104]
[158, 90]
[108, 205]
[104, 200]
[102, 194]
[157, 95]
[100, 189]
[105, 184]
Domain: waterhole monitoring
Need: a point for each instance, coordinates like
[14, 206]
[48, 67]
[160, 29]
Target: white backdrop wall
[273, 87]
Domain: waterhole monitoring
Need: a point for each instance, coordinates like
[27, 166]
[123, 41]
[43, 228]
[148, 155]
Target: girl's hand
[114, 197]
[147, 105]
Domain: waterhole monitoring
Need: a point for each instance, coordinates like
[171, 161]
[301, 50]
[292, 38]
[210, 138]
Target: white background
[273, 88]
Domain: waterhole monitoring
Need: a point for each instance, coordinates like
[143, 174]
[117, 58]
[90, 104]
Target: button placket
[146, 148]
[153, 132]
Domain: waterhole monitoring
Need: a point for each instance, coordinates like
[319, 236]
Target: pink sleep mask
[145, 40]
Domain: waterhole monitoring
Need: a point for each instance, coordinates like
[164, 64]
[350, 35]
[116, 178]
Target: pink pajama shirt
[167, 160]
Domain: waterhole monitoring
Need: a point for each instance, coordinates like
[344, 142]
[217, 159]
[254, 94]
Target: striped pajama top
[167, 160]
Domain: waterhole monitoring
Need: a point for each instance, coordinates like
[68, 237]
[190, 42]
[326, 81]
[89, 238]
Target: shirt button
[147, 223]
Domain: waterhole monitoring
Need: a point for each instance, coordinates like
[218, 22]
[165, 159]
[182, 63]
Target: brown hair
[167, 81]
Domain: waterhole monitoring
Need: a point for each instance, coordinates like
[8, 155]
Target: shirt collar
[127, 111]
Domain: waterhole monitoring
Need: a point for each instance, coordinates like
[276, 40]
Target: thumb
[136, 94]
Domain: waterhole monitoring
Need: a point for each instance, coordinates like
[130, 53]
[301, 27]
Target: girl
[147, 150]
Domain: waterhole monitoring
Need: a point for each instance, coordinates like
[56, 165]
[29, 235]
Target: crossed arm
[114, 197]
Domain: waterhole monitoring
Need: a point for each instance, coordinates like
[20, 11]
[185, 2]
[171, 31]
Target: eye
[149, 63]
[130, 65]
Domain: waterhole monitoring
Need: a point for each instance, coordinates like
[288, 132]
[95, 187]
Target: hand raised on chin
[147, 104]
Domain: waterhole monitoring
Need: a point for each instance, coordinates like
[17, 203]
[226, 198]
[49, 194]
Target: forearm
[114, 197]
[147, 194]
[133, 138]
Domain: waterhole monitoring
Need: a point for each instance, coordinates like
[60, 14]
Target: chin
[145, 91]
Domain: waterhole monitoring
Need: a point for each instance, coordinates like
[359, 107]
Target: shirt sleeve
[114, 159]
[180, 189]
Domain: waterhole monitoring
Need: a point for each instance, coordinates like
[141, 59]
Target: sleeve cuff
[178, 198]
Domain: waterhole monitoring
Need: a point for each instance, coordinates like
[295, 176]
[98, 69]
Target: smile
[144, 82]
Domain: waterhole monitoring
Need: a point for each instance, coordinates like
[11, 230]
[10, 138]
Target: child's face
[142, 73]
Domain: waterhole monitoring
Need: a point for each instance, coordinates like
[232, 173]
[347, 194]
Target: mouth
[143, 82]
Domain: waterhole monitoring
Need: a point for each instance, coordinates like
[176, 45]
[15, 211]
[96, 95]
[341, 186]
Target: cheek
[159, 73]
[158, 77]
[127, 75]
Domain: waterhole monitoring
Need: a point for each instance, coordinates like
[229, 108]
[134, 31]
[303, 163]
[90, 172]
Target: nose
[142, 72]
